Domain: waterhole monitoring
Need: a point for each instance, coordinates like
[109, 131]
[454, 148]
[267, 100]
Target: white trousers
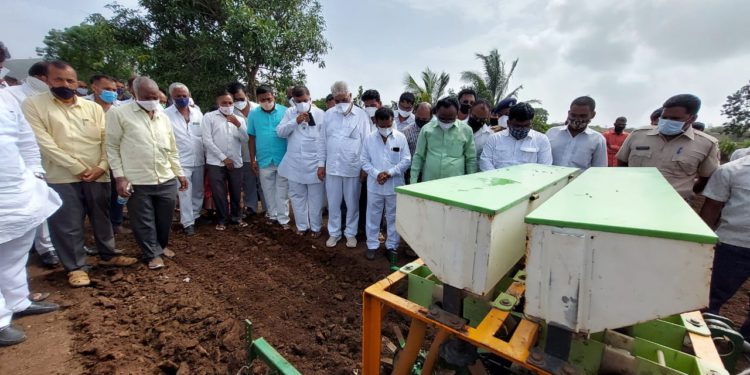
[307, 204]
[191, 200]
[375, 205]
[42, 241]
[342, 189]
[276, 191]
[14, 286]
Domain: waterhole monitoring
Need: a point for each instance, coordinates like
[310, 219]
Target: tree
[737, 109]
[492, 83]
[433, 85]
[114, 46]
[539, 123]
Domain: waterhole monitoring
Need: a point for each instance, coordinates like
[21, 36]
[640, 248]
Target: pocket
[689, 161]
[639, 158]
[528, 154]
[394, 157]
[91, 130]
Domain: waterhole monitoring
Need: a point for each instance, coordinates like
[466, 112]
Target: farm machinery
[548, 270]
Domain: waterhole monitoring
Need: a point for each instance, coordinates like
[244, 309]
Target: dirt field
[303, 298]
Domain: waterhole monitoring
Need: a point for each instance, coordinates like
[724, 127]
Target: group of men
[91, 157]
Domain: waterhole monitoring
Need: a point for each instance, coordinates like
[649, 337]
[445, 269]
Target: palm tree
[492, 83]
[434, 85]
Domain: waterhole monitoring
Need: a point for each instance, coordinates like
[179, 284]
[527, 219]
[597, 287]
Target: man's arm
[321, 142]
[366, 161]
[287, 125]
[208, 139]
[707, 168]
[404, 160]
[47, 144]
[623, 154]
[485, 160]
[545, 151]
[470, 154]
[112, 139]
[711, 212]
[600, 154]
[172, 154]
[419, 157]
[101, 121]
[27, 144]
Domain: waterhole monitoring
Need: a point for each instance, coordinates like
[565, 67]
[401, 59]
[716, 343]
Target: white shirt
[188, 136]
[392, 156]
[25, 201]
[300, 163]
[222, 139]
[480, 138]
[731, 184]
[401, 125]
[340, 142]
[739, 153]
[587, 149]
[502, 150]
[245, 145]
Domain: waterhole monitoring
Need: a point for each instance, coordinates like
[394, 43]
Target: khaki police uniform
[680, 160]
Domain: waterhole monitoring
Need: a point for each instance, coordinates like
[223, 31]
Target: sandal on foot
[78, 278]
[38, 297]
[118, 261]
[167, 252]
[221, 227]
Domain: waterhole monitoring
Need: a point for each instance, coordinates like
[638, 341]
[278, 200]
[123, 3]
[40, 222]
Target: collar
[688, 133]
[485, 129]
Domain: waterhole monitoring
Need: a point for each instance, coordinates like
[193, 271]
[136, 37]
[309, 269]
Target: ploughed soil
[187, 318]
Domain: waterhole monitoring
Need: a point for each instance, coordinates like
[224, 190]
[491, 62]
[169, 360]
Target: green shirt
[443, 153]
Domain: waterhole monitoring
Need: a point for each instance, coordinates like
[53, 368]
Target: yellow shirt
[140, 148]
[70, 137]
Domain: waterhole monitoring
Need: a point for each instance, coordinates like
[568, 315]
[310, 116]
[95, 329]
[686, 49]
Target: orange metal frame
[377, 299]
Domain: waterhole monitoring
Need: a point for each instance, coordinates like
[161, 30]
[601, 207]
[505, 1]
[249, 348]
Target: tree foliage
[432, 88]
[540, 121]
[737, 109]
[493, 81]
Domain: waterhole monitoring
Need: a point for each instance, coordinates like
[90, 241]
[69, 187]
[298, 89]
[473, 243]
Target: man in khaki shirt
[144, 160]
[70, 134]
[680, 152]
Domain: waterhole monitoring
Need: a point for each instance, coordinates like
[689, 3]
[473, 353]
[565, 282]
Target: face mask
[4, 72]
[465, 108]
[63, 92]
[385, 132]
[302, 107]
[421, 122]
[108, 96]
[268, 106]
[240, 104]
[404, 114]
[619, 129]
[149, 105]
[518, 133]
[577, 124]
[226, 111]
[343, 107]
[120, 91]
[82, 91]
[670, 127]
[475, 124]
[182, 102]
[36, 84]
[493, 121]
[445, 125]
[371, 111]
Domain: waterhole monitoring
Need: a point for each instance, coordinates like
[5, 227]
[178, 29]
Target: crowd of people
[70, 155]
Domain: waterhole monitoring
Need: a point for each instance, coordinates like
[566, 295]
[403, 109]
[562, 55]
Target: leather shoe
[50, 259]
[11, 336]
[37, 308]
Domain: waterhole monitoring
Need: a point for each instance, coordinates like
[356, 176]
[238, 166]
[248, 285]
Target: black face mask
[493, 122]
[421, 122]
[465, 107]
[475, 124]
[63, 92]
[619, 129]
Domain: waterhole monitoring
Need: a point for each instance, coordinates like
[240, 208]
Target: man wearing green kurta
[445, 147]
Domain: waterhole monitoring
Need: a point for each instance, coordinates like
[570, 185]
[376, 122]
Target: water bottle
[122, 200]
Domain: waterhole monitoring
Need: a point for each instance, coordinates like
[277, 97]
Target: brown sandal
[38, 297]
[78, 279]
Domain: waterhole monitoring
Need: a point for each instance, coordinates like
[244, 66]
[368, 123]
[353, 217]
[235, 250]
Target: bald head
[423, 113]
[146, 88]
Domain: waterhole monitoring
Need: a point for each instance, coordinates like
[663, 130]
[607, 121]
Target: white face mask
[385, 132]
[503, 121]
[303, 107]
[445, 125]
[240, 104]
[404, 114]
[371, 111]
[149, 105]
[268, 106]
[36, 84]
[226, 111]
[343, 107]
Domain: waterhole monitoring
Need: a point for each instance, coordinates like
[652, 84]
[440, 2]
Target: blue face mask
[182, 102]
[518, 133]
[670, 127]
[108, 97]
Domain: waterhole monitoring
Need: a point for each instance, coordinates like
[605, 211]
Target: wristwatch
[40, 175]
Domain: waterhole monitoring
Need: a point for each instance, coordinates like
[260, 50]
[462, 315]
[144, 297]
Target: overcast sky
[629, 55]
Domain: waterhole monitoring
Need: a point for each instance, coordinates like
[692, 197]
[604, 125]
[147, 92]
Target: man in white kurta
[186, 125]
[300, 128]
[342, 135]
[25, 202]
[385, 159]
[518, 144]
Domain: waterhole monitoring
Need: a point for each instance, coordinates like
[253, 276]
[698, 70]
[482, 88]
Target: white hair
[177, 85]
[339, 88]
[143, 81]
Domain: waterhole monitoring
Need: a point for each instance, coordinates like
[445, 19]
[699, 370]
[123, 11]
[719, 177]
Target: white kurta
[222, 139]
[502, 150]
[340, 142]
[480, 138]
[300, 163]
[188, 136]
[587, 149]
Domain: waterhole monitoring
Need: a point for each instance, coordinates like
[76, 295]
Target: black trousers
[731, 269]
[150, 208]
[218, 179]
[81, 199]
